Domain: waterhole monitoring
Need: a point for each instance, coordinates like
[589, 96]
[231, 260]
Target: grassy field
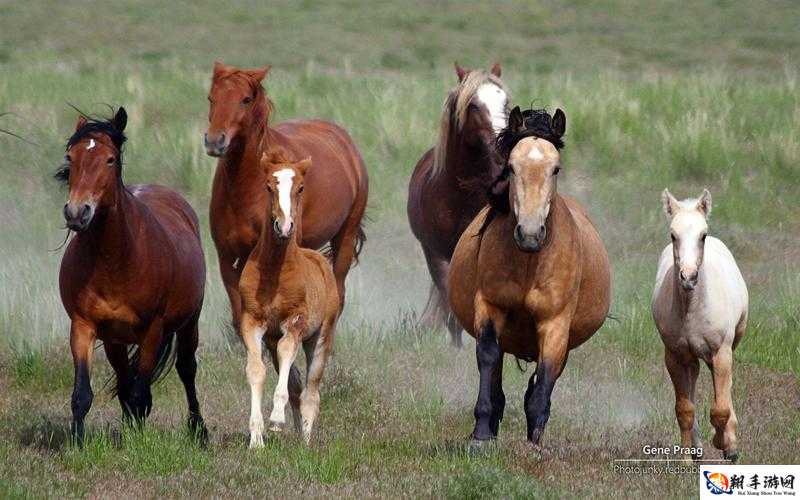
[656, 94]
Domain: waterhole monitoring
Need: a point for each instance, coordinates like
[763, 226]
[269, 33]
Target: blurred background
[657, 94]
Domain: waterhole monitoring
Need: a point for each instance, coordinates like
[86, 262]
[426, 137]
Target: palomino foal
[289, 297]
[700, 309]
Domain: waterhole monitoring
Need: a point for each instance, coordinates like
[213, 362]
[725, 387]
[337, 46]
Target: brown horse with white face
[529, 277]
[289, 298]
[133, 275]
[238, 134]
[447, 187]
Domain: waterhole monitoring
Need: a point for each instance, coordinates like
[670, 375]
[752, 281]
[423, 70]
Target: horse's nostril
[518, 232]
[222, 139]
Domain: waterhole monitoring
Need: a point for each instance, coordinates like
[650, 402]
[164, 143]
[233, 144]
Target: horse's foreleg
[186, 364]
[150, 346]
[117, 355]
[317, 350]
[553, 345]
[82, 336]
[231, 271]
[295, 388]
[489, 407]
[684, 378]
[287, 349]
[252, 333]
[723, 418]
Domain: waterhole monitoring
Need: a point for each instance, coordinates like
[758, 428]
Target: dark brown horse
[133, 275]
[238, 134]
[446, 188]
[529, 277]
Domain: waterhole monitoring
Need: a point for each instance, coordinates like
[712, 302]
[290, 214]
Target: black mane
[536, 123]
[110, 127]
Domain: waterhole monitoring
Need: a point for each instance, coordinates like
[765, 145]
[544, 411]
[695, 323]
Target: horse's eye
[269, 188]
[672, 236]
[210, 100]
[68, 158]
[301, 189]
[247, 100]
[703, 238]
[111, 160]
[556, 170]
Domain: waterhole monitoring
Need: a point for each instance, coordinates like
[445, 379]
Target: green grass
[657, 94]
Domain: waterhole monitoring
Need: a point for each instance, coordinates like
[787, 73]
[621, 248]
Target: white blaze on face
[91, 144]
[496, 101]
[285, 182]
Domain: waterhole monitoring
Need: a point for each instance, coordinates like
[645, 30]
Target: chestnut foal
[289, 296]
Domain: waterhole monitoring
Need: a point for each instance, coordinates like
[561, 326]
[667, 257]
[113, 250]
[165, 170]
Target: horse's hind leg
[295, 388]
[117, 355]
[723, 418]
[186, 364]
[438, 309]
[287, 349]
[346, 244]
[317, 349]
[81, 339]
[684, 377]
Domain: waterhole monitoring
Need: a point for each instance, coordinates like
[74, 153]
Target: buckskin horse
[289, 298]
[238, 134]
[446, 189]
[134, 274]
[529, 277]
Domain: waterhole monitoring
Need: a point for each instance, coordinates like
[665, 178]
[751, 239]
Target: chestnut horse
[238, 134]
[529, 277]
[289, 297]
[446, 188]
[133, 275]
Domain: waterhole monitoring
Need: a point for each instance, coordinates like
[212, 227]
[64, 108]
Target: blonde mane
[454, 113]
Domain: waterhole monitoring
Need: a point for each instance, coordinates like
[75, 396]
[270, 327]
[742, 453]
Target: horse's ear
[120, 119]
[303, 165]
[260, 73]
[516, 122]
[461, 72]
[81, 122]
[669, 202]
[559, 123]
[221, 69]
[496, 70]
[704, 203]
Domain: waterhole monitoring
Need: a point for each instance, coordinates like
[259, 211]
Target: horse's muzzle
[529, 242]
[216, 145]
[78, 216]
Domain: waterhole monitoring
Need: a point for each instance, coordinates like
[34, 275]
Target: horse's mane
[536, 123]
[94, 126]
[521, 124]
[454, 112]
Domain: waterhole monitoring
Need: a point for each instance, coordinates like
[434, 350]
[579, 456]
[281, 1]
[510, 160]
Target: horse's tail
[358, 244]
[164, 362]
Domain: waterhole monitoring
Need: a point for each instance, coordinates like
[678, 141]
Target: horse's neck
[274, 255]
[111, 235]
[242, 165]
[462, 163]
[688, 301]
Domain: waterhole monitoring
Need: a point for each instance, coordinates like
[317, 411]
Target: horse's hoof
[276, 426]
[539, 451]
[256, 442]
[476, 444]
[732, 455]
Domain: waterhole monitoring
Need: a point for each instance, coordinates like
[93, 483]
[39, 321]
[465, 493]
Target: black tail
[164, 362]
[361, 238]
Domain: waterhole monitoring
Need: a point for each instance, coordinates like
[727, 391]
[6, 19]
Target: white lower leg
[287, 351]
